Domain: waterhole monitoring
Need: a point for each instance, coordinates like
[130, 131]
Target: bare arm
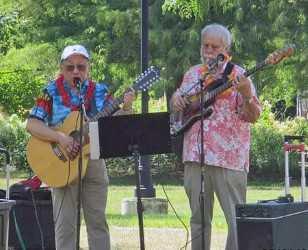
[40, 130]
[250, 108]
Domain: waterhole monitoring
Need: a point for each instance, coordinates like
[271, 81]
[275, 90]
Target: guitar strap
[228, 70]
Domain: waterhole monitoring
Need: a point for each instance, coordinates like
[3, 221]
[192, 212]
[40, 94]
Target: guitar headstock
[280, 54]
[145, 80]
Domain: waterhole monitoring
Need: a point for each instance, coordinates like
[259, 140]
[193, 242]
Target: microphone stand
[201, 197]
[212, 67]
[136, 155]
[82, 115]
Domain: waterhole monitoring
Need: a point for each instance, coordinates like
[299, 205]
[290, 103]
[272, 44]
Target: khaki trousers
[93, 202]
[230, 189]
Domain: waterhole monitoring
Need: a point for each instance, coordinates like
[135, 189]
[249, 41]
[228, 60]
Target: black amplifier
[270, 209]
[272, 226]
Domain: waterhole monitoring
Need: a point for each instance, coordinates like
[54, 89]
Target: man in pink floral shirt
[226, 137]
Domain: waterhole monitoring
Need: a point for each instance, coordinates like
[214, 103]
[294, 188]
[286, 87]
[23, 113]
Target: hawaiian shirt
[56, 103]
[226, 132]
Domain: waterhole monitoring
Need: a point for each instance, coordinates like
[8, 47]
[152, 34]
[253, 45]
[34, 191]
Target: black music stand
[135, 135]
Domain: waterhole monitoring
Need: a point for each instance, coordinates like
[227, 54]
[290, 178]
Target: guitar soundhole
[58, 152]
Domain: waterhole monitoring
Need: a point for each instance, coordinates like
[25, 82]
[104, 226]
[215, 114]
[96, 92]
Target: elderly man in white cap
[59, 98]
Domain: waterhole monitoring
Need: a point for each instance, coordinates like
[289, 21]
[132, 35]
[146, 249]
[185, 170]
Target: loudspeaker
[24, 230]
[272, 226]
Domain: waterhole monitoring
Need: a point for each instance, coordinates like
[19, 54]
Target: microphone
[213, 63]
[220, 57]
[77, 82]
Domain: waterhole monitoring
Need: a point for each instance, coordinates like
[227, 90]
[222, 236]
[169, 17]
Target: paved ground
[155, 239]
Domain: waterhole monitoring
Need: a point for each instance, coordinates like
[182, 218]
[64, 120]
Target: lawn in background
[124, 188]
[256, 191]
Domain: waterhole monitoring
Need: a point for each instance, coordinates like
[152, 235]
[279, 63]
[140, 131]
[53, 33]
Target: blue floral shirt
[50, 106]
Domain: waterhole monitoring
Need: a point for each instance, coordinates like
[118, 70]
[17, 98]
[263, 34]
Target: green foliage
[23, 80]
[198, 9]
[267, 155]
[13, 138]
[12, 27]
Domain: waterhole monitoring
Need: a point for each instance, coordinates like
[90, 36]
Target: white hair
[217, 30]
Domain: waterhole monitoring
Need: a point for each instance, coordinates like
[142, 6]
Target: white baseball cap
[74, 49]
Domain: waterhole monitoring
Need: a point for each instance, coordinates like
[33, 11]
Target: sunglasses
[79, 67]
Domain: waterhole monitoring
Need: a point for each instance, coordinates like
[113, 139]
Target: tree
[26, 71]
[12, 30]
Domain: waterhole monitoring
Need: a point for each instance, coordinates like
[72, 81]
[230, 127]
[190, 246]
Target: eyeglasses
[79, 67]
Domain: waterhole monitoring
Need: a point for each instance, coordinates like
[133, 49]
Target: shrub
[13, 137]
[267, 154]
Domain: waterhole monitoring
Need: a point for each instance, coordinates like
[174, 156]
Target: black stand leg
[202, 211]
[202, 166]
[79, 201]
[136, 156]
[82, 115]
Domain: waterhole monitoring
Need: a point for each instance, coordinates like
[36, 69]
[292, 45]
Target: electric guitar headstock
[280, 54]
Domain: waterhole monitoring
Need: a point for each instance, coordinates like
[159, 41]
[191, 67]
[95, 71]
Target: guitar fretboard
[211, 95]
[110, 108]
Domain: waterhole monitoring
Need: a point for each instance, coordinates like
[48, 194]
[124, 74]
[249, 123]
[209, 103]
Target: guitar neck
[211, 95]
[110, 108]
[256, 68]
[142, 83]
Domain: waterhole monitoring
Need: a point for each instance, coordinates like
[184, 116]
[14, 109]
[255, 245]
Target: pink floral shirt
[226, 133]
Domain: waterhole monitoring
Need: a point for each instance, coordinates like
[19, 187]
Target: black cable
[17, 229]
[199, 235]
[38, 221]
[178, 217]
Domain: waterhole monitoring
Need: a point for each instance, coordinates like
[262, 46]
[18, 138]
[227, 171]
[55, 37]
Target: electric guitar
[50, 162]
[182, 121]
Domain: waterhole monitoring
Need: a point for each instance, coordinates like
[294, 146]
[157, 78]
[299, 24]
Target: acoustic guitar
[51, 163]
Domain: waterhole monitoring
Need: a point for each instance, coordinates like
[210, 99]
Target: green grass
[178, 199]
[124, 188]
